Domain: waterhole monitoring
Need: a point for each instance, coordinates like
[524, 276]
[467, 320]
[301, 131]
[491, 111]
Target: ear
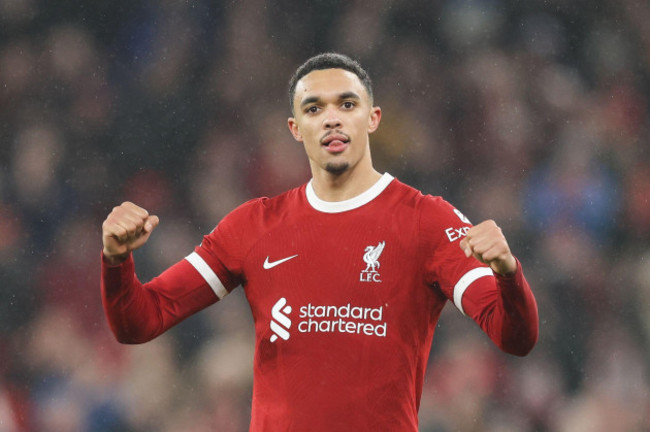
[293, 128]
[375, 118]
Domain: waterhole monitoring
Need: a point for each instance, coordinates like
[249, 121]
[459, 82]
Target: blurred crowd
[534, 114]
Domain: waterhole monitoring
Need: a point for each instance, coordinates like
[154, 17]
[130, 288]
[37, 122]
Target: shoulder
[439, 206]
[404, 194]
[435, 214]
[265, 210]
[441, 221]
[432, 215]
[411, 196]
[250, 221]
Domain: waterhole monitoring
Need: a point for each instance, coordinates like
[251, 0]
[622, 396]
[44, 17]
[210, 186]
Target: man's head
[329, 61]
[333, 114]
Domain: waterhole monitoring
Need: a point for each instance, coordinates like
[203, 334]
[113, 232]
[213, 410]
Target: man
[346, 276]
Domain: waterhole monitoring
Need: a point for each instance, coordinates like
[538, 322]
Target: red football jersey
[345, 298]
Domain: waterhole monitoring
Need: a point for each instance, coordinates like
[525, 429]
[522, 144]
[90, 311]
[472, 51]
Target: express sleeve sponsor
[445, 264]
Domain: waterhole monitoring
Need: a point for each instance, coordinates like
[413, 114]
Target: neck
[340, 187]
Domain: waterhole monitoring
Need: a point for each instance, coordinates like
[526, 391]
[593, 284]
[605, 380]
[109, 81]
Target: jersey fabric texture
[345, 297]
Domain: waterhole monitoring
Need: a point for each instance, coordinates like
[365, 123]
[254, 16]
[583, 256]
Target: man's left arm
[506, 308]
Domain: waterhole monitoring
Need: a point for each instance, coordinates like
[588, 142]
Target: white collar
[349, 204]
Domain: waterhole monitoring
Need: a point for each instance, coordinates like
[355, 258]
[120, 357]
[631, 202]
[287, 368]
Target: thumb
[464, 245]
[151, 223]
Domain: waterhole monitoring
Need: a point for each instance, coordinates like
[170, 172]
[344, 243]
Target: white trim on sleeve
[208, 274]
[465, 281]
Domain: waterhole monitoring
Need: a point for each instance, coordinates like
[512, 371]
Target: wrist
[508, 268]
[114, 259]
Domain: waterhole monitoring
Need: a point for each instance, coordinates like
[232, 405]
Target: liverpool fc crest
[371, 257]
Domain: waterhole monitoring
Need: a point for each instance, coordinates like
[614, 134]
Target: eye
[312, 109]
[348, 104]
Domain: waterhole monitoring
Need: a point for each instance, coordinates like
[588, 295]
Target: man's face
[333, 118]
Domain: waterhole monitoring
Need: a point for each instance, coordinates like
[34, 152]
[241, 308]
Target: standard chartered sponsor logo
[280, 319]
[329, 319]
[342, 319]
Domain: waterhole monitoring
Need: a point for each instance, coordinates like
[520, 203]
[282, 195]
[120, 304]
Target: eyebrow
[342, 96]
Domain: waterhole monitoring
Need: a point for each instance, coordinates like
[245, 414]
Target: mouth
[335, 142]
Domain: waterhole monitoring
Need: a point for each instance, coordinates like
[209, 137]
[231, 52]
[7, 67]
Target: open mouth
[335, 142]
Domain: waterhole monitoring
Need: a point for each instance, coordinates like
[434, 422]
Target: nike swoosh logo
[268, 265]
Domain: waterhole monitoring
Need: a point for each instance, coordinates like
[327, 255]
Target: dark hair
[329, 61]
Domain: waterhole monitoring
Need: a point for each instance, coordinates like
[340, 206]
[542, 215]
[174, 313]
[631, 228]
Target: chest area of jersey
[359, 272]
[337, 283]
[328, 260]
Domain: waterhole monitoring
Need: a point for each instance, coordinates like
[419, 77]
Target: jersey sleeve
[442, 226]
[219, 258]
[138, 312]
[503, 306]
[506, 310]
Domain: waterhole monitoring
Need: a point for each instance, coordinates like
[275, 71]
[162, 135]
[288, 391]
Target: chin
[337, 168]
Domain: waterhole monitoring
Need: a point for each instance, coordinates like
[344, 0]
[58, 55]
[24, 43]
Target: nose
[332, 120]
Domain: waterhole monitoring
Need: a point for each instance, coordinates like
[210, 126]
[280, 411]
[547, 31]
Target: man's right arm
[138, 312]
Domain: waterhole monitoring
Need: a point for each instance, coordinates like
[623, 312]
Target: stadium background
[532, 113]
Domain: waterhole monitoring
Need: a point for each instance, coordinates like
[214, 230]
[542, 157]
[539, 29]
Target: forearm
[506, 310]
[131, 311]
[139, 312]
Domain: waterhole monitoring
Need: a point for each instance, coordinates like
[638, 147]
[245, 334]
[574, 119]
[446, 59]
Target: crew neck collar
[349, 204]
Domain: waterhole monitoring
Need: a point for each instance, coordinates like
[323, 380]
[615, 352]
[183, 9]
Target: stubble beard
[337, 168]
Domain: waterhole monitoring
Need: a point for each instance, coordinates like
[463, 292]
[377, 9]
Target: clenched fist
[125, 229]
[486, 243]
